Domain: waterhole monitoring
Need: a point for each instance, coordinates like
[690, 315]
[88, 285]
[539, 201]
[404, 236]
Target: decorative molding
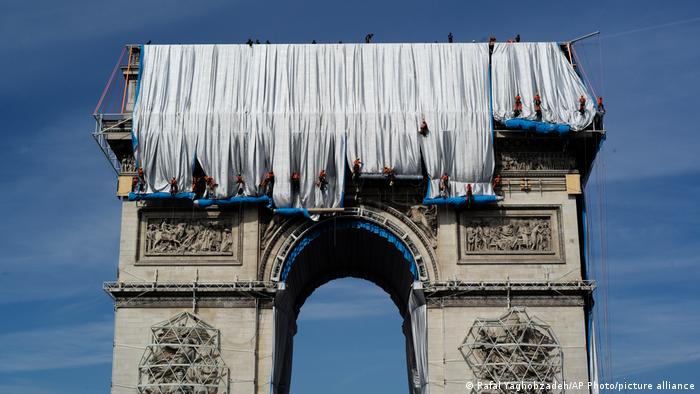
[204, 237]
[290, 231]
[536, 161]
[127, 165]
[510, 235]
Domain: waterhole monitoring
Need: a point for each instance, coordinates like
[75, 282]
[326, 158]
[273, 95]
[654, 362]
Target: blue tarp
[205, 202]
[160, 196]
[459, 201]
[293, 212]
[462, 200]
[348, 224]
[539, 127]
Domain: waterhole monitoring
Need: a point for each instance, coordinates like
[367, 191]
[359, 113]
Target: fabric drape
[244, 110]
[527, 69]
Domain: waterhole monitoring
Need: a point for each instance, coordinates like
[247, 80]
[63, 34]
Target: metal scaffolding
[514, 350]
[183, 358]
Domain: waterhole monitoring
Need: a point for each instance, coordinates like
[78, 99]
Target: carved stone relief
[127, 164]
[510, 235]
[514, 348]
[536, 161]
[424, 217]
[188, 237]
[199, 238]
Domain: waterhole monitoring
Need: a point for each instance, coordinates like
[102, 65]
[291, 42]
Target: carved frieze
[494, 234]
[190, 238]
[536, 161]
[127, 165]
[510, 235]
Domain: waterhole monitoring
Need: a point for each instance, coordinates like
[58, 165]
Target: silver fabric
[538, 67]
[419, 334]
[306, 108]
[454, 101]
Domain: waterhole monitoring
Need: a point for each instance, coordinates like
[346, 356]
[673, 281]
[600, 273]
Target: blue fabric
[539, 127]
[293, 212]
[349, 224]
[458, 201]
[205, 202]
[160, 196]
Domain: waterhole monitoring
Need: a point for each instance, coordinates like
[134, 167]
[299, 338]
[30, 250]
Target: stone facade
[176, 258]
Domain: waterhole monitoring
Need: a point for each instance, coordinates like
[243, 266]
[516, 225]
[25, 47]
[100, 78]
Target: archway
[350, 247]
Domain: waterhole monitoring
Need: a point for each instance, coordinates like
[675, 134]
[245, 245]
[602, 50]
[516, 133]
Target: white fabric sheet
[308, 108]
[541, 67]
[453, 99]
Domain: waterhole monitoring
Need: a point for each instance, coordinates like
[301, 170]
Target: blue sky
[60, 217]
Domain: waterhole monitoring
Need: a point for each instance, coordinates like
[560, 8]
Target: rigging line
[583, 71]
[109, 82]
[652, 27]
[605, 265]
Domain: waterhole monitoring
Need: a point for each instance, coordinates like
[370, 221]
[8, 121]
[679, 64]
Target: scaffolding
[183, 357]
[514, 350]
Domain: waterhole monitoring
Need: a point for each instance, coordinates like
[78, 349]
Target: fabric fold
[538, 68]
[306, 113]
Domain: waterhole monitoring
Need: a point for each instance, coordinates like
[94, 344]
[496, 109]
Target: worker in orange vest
[267, 183]
[518, 106]
[582, 105]
[173, 186]
[444, 185]
[240, 184]
[423, 130]
[322, 182]
[538, 107]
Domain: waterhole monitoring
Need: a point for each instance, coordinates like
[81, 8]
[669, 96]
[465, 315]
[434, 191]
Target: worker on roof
[518, 109]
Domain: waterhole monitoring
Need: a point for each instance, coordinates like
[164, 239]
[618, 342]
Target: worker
[268, 183]
[173, 186]
[423, 130]
[391, 174]
[141, 180]
[450, 37]
[538, 107]
[211, 185]
[356, 169]
[599, 113]
[368, 38]
[470, 195]
[582, 105]
[518, 106]
[240, 184]
[322, 181]
[444, 185]
[496, 181]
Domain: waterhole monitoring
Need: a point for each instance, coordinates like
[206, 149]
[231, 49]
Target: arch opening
[341, 248]
[342, 325]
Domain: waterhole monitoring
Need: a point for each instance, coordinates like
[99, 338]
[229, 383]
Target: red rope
[109, 82]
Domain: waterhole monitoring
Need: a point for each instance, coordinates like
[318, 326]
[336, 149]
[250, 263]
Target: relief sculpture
[536, 161]
[505, 235]
[183, 237]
